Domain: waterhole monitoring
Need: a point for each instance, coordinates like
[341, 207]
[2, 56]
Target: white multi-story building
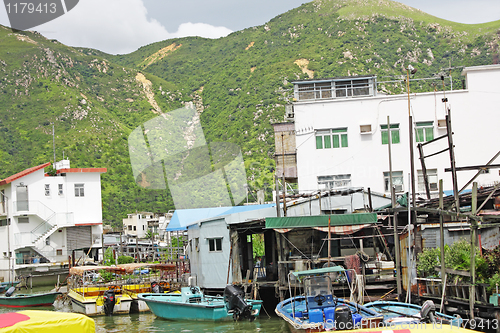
[44, 218]
[342, 134]
[137, 224]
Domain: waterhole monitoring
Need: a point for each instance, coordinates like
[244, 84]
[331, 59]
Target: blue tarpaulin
[184, 217]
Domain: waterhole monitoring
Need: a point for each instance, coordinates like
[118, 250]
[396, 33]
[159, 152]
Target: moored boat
[192, 304]
[91, 299]
[134, 289]
[29, 300]
[35, 321]
[318, 309]
[398, 312]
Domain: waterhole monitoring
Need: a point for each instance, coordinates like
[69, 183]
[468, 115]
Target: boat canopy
[318, 271]
[130, 268]
[320, 221]
[45, 321]
[80, 270]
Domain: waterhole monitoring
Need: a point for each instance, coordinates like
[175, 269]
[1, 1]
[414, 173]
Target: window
[331, 138]
[47, 190]
[60, 189]
[424, 131]
[347, 88]
[135, 228]
[334, 181]
[59, 252]
[397, 181]
[215, 244]
[23, 220]
[394, 134]
[130, 227]
[79, 190]
[432, 178]
[316, 90]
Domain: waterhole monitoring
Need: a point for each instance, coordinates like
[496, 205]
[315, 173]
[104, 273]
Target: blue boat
[319, 310]
[192, 304]
[401, 313]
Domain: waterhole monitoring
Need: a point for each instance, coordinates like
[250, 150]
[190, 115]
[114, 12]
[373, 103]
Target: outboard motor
[10, 291]
[343, 318]
[109, 302]
[428, 310]
[234, 298]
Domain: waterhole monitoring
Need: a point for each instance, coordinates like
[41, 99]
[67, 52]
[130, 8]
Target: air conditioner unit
[398, 188]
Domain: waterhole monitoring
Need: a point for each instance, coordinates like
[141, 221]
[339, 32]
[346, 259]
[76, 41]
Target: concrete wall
[474, 121]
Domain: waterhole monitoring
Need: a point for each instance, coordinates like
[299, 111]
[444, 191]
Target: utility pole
[410, 121]
[397, 254]
[283, 175]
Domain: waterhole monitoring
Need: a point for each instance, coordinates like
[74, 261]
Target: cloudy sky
[122, 26]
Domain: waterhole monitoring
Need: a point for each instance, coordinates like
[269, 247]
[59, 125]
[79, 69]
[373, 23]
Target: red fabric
[12, 318]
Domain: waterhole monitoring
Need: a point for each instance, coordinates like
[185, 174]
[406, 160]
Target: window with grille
[215, 244]
[79, 190]
[394, 134]
[432, 178]
[47, 190]
[334, 181]
[331, 138]
[397, 181]
[424, 131]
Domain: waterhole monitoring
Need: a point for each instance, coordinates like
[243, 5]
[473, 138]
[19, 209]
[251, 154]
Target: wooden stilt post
[473, 230]
[441, 232]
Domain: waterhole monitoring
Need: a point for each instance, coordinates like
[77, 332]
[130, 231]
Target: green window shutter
[319, 142]
[395, 136]
[343, 138]
[385, 137]
[328, 141]
[419, 134]
[429, 134]
[336, 143]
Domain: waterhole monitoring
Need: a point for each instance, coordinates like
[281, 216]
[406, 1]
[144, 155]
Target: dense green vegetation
[457, 257]
[239, 84]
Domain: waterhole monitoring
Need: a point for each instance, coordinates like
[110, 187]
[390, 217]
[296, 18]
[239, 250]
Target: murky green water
[148, 322]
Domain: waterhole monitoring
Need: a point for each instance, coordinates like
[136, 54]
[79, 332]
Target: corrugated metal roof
[184, 217]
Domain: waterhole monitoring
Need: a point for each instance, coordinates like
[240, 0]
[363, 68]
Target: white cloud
[116, 26]
[202, 30]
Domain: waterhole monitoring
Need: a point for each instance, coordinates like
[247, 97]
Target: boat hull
[394, 311]
[171, 307]
[94, 305]
[23, 301]
[291, 311]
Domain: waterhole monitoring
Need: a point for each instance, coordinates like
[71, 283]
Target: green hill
[240, 84]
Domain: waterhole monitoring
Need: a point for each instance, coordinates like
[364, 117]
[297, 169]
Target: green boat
[29, 300]
[192, 304]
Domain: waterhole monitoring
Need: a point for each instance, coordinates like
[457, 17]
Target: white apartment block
[342, 134]
[43, 218]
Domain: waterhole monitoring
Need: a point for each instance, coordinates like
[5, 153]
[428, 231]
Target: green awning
[318, 271]
[319, 220]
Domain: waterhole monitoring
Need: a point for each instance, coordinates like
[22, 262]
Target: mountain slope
[239, 83]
